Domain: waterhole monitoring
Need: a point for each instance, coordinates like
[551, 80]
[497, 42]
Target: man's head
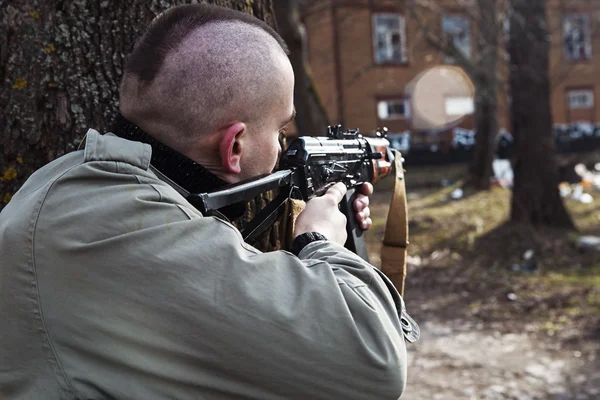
[214, 84]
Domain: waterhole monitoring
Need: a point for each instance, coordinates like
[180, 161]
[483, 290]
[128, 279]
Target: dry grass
[466, 250]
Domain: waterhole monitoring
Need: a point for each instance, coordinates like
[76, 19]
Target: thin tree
[482, 68]
[536, 199]
[311, 117]
[486, 94]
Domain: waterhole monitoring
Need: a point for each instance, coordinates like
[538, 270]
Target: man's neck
[182, 170]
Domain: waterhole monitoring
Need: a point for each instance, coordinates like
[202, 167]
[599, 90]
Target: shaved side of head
[198, 68]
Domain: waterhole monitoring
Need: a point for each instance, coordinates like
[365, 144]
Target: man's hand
[361, 206]
[323, 215]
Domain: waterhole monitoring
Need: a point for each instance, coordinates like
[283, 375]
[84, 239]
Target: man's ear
[231, 147]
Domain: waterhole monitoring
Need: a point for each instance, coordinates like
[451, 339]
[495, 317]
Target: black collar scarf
[182, 170]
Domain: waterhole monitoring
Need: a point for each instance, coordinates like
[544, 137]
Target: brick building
[363, 53]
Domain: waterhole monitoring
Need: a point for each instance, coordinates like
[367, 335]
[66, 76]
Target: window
[393, 109]
[459, 106]
[576, 37]
[457, 30]
[399, 141]
[389, 38]
[580, 99]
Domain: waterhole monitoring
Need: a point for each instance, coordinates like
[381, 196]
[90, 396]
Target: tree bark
[536, 199]
[486, 95]
[311, 117]
[62, 62]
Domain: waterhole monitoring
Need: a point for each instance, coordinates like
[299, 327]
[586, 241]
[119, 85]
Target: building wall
[344, 66]
[568, 75]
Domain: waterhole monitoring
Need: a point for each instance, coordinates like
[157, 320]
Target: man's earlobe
[231, 147]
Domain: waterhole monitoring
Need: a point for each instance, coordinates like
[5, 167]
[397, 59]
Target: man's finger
[366, 189]
[362, 216]
[366, 224]
[366, 213]
[338, 191]
[361, 202]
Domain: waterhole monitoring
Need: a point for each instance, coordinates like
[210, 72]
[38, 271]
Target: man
[113, 286]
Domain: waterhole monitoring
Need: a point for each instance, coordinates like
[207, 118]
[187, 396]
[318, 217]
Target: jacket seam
[90, 148]
[46, 341]
[245, 245]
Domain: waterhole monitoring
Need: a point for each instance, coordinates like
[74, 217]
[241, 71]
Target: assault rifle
[308, 167]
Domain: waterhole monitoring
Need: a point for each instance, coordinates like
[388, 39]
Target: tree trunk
[62, 62]
[486, 125]
[536, 199]
[311, 117]
[486, 95]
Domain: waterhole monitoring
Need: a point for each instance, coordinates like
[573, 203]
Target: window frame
[588, 40]
[569, 111]
[394, 117]
[403, 44]
[587, 90]
[462, 99]
[449, 59]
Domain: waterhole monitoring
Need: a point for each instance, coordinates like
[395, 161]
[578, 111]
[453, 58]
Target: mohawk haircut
[168, 30]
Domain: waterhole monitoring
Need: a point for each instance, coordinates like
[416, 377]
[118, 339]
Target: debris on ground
[457, 194]
[575, 192]
[503, 173]
[527, 264]
[589, 243]
[586, 198]
[413, 261]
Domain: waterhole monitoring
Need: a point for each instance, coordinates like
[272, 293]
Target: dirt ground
[487, 332]
[466, 358]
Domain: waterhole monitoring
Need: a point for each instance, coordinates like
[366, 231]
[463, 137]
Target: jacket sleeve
[179, 304]
[320, 326]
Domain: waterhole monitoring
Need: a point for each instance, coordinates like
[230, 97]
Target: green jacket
[113, 286]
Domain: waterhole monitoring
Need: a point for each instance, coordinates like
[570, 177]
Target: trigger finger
[338, 191]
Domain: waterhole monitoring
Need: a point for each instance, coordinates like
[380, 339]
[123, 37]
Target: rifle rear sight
[336, 132]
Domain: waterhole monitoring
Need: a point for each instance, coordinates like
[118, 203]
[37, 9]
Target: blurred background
[503, 180]
[492, 104]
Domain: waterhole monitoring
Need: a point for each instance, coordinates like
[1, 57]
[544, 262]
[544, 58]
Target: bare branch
[438, 42]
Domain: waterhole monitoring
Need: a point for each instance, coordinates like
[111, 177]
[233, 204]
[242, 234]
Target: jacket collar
[179, 169]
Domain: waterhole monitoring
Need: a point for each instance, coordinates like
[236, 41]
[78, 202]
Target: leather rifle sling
[395, 237]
